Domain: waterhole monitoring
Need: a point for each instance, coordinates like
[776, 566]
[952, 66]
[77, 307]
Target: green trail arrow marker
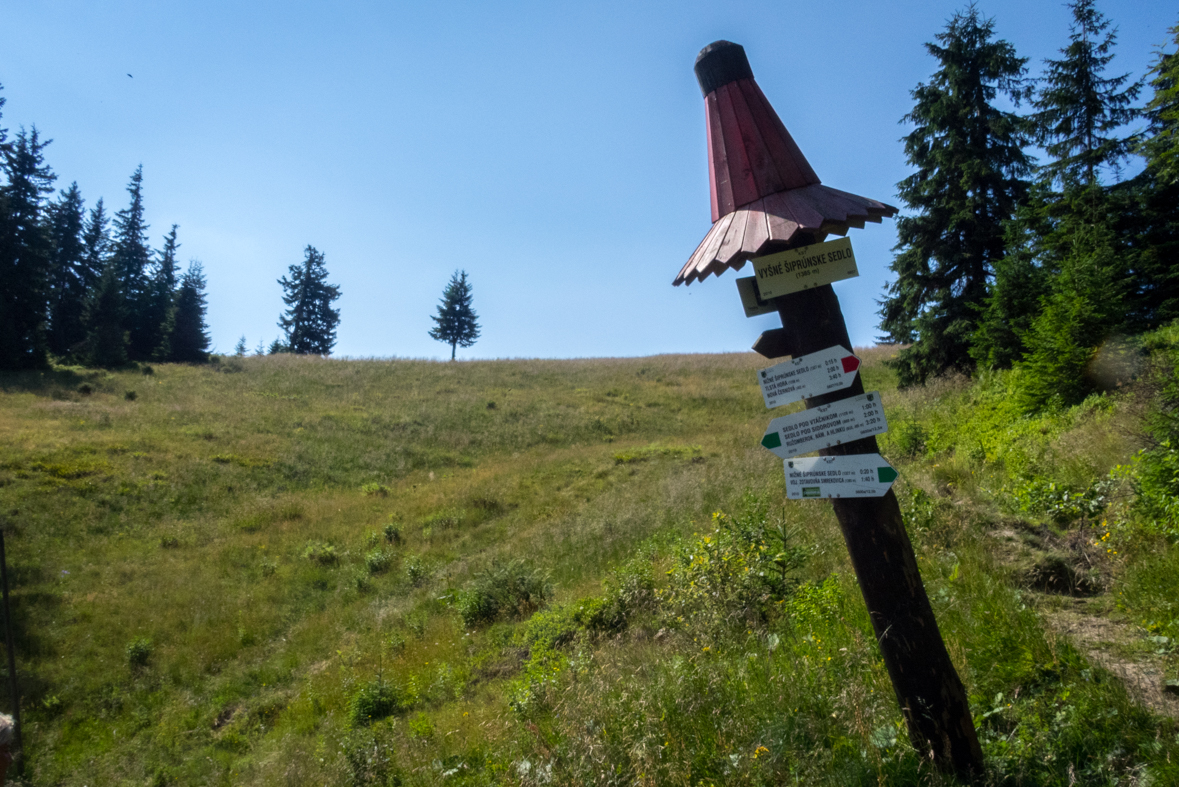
[857, 475]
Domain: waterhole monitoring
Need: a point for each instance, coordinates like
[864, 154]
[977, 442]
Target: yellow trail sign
[805, 267]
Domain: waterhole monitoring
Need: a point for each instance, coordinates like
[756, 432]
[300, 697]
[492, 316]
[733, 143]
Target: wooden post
[767, 198]
[13, 691]
[927, 686]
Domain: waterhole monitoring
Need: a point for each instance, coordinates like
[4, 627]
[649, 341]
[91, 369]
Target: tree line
[84, 287]
[1005, 260]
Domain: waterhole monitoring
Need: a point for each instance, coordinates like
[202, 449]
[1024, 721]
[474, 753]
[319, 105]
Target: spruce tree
[971, 169]
[106, 338]
[1152, 215]
[309, 321]
[96, 239]
[160, 298]
[24, 253]
[189, 338]
[456, 323]
[132, 255]
[1080, 111]
[69, 279]
[1081, 114]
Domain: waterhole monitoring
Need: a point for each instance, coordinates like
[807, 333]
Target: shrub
[392, 534]
[375, 490]
[85, 389]
[323, 554]
[377, 561]
[416, 572]
[374, 701]
[139, 652]
[130, 396]
[511, 590]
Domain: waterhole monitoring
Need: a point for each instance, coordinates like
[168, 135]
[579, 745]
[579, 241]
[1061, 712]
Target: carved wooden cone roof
[764, 191]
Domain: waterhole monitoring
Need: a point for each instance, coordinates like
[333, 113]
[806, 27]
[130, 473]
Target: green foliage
[321, 553]
[456, 323]
[1079, 109]
[416, 570]
[309, 321]
[1076, 317]
[970, 176]
[1161, 146]
[70, 278]
[24, 252]
[188, 337]
[106, 339]
[375, 700]
[138, 652]
[742, 569]
[378, 561]
[508, 590]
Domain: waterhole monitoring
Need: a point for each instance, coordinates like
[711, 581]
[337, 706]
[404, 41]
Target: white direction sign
[825, 426]
[809, 375]
[805, 267]
[858, 475]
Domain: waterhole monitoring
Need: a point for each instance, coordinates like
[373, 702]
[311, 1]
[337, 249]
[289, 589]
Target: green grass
[288, 570]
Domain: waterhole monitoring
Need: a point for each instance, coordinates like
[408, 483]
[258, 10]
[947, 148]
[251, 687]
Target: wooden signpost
[768, 203]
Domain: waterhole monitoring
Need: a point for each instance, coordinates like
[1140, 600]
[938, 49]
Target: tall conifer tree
[96, 238]
[456, 322]
[161, 295]
[1154, 212]
[131, 256]
[189, 337]
[106, 338]
[309, 321]
[1081, 116]
[24, 253]
[971, 169]
[69, 281]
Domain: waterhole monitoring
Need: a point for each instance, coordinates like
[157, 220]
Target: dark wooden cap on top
[763, 191]
[720, 63]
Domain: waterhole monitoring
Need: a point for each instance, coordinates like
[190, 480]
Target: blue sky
[556, 152]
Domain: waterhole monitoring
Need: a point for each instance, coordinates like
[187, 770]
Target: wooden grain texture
[740, 171]
[756, 140]
[718, 162]
[793, 168]
[731, 246]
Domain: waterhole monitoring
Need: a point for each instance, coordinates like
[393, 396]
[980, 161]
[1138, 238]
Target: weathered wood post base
[927, 686]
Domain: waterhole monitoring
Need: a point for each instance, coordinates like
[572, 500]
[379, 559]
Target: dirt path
[1111, 644]
[1106, 642]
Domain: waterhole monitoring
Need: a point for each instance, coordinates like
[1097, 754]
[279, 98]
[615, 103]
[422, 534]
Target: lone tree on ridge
[456, 323]
[310, 321]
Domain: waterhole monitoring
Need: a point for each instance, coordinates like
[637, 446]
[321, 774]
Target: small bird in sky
[130, 76]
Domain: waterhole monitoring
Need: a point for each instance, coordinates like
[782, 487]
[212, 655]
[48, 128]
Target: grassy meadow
[300, 571]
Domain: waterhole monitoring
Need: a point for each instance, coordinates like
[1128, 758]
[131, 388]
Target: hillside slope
[288, 570]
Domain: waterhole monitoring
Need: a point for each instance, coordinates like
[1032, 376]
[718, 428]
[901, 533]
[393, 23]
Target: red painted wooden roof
[762, 187]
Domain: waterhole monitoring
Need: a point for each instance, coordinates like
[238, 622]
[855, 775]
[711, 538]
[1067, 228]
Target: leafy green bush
[375, 490]
[377, 561]
[321, 553]
[392, 534]
[139, 651]
[416, 572]
[743, 567]
[374, 701]
[505, 590]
